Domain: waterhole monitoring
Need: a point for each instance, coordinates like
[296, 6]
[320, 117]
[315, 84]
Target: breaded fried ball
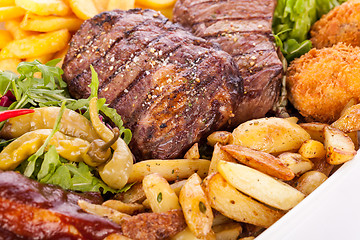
[341, 24]
[322, 82]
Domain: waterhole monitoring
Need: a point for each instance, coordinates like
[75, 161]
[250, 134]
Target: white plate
[331, 212]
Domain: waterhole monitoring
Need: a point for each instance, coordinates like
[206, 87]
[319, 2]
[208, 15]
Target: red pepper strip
[5, 115]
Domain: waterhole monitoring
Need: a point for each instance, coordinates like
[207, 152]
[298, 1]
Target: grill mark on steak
[180, 87]
[243, 29]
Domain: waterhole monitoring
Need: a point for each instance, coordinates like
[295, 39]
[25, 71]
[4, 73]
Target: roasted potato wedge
[350, 120]
[44, 8]
[185, 235]
[171, 170]
[159, 193]
[296, 162]
[315, 129]
[103, 211]
[228, 231]
[260, 186]
[222, 137]
[193, 152]
[219, 154]
[128, 208]
[261, 161]
[135, 194]
[235, 205]
[38, 45]
[271, 135]
[339, 147]
[312, 149]
[309, 181]
[196, 208]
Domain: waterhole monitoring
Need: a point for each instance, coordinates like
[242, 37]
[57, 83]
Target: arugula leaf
[49, 165]
[32, 159]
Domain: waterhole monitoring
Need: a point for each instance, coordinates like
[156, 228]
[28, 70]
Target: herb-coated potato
[271, 135]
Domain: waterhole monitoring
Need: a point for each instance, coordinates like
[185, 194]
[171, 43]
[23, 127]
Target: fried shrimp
[342, 24]
[322, 82]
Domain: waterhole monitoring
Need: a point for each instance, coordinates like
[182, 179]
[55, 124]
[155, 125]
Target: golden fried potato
[321, 82]
[33, 22]
[309, 181]
[83, 9]
[9, 64]
[350, 120]
[13, 26]
[341, 24]
[6, 3]
[156, 3]
[271, 135]
[217, 156]
[44, 7]
[193, 152]
[312, 149]
[296, 162]
[11, 12]
[35, 46]
[120, 4]
[5, 38]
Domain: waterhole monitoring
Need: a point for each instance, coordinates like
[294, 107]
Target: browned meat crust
[152, 226]
[323, 81]
[30, 210]
[340, 25]
[243, 29]
[170, 87]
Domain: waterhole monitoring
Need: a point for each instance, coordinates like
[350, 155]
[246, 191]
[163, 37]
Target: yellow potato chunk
[5, 38]
[156, 3]
[121, 4]
[44, 7]
[13, 26]
[35, 46]
[83, 9]
[49, 23]
[101, 5]
[9, 64]
[6, 3]
[11, 12]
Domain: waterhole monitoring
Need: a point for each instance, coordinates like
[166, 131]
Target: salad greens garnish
[292, 22]
[31, 90]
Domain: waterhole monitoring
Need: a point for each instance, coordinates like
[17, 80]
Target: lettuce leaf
[293, 20]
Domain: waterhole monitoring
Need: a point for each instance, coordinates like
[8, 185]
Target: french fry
[43, 59]
[296, 162]
[350, 120]
[261, 161]
[120, 4]
[156, 3]
[309, 181]
[103, 211]
[228, 231]
[159, 193]
[44, 7]
[315, 129]
[222, 137]
[83, 9]
[339, 147]
[260, 186]
[13, 26]
[11, 12]
[35, 46]
[196, 208]
[5, 38]
[101, 5]
[6, 3]
[312, 149]
[235, 205]
[219, 154]
[61, 54]
[171, 170]
[9, 64]
[193, 152]
[49, 23]
[271, 135]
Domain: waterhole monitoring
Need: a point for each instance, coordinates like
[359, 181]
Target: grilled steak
[170, 87]
[243, 29]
